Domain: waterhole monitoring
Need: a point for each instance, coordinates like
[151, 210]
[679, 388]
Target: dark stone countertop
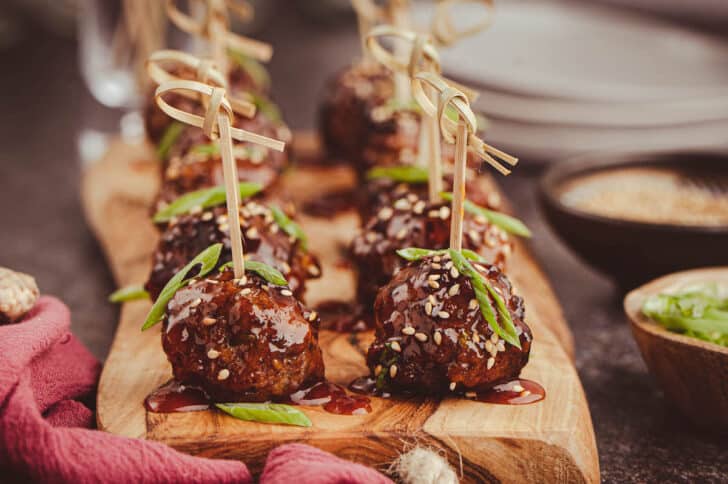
[640, 438]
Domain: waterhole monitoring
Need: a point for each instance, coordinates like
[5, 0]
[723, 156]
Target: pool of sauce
[331, 203]
[176, 397]
[333, 398]
[342, 316]
[503, 394]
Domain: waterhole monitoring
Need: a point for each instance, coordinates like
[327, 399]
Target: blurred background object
[602, 42]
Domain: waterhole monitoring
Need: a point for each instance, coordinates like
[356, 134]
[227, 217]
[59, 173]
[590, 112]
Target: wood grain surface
[550, 441]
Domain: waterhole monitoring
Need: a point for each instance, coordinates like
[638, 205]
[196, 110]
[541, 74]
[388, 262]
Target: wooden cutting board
[550, 441]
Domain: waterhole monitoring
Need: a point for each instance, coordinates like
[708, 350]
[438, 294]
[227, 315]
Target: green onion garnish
[266, 106]
[205, 198]
[509, 224]
[170, 136]
[402, 173]
[270, 274]
[206, 260]
[257, 72]
[273, 413]
[699, 311]
[289, 226]
[128, 293]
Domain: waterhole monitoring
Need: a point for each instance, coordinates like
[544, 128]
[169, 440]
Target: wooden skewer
[443, 28]
[457, 210]
[217, 124]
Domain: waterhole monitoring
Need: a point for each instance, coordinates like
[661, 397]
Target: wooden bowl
[634, 252]
[692, 373]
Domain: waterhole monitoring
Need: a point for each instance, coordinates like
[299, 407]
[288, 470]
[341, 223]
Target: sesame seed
[223, 227]
[437, 337]
[196, 303]
[286, 292]
[476, 338]
[454, 273]
[471, 394]
[474, 236]
[212, 354]
[448, 265]
[402, 204]
[432, 299]
[314, 270]
[433, 214]
[274, 229]
[401, 234]
[222, 219]
[421, 337]
[436, 258]
[452, 386]
[223, 374]
[433, 284]
[517, 388]
[412, 197]
[480, 219]
[252, 233]
[393, 371]
[246, 291]
[443, 314]
[428, 308]
[489, 364]
[312, 317]
[385, 213]
[286, 267]
[488, 346]
[408, 330]
[242, 281]
[501, 346]
[419, 207]
[444, 212]
[208, 321]
[436, 266]
[196, 209]
[454, 290]
[207, 216]
[370, 237]
[494, 338]
[395, 346]
[434, 277]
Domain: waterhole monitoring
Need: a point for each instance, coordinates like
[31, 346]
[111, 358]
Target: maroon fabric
[47, 376]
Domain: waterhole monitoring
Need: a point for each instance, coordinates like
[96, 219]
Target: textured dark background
[42, 232]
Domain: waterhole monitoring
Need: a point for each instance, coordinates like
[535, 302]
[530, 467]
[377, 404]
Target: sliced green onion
[257, 72]
[289, 226]
[270, 274]
[206, 149]
[170, 136]
[273, 413]
[129, 293]
[266, 106]
[206, 260]
[509, 224]
[403, 173]
[205, 198]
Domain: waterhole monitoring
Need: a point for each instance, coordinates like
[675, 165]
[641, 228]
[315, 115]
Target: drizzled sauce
[333, 398]
[331, 203]
[344, 317]
[176, 397]
[516, 392]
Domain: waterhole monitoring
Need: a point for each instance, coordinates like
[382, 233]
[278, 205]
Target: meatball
[431, 336]
[241, 339]
[344, 114]
[382, 192]
[413, 222]
[263, 239]
[191, 168]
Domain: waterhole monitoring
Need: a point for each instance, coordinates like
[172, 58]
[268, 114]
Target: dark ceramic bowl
[633, 252]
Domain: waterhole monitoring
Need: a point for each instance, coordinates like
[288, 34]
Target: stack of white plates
[561, 77]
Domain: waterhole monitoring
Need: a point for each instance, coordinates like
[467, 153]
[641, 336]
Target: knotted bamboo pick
[215, 27]
[161, 64]
[423, 58]
[217, 125]
[368, 14]
[462, 133]
[443, 29]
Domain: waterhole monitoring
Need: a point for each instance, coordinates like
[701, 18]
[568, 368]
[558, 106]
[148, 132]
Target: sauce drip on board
[333, 398]
[516, 392]
[176, 397]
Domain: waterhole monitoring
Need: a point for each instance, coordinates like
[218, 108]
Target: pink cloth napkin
[46, 379]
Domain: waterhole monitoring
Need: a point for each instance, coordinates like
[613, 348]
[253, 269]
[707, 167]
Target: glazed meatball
[264, 241]
[431, 336]
[241, 339]
[344, 114]
[413, 222]
[189, 168]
